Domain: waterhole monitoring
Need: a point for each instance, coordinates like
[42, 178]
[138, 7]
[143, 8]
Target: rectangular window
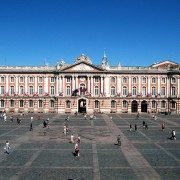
[96, 104]
[96, 79]
[40, 79]
[52, 79]
[12, 103]
[21, 103]
[12, 79]
[21, 79]
[2, 79]
[68, 79]
[2, 90]
[12, 90]
[31, 90]
[30, 103]
[30, 79]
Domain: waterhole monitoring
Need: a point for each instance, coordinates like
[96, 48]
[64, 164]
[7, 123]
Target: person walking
[85, 116]
[162, 126]
[72, 138]
[7, 147]
[135, 127]
[76, 150]
[144, 123]
[31, 126]
[11, 118]
[130, 127]
[146, 126]
[173, 135]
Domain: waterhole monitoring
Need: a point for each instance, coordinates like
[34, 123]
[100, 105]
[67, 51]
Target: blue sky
[133, 32]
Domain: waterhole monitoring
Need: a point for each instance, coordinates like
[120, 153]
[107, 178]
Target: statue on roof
[83, 58]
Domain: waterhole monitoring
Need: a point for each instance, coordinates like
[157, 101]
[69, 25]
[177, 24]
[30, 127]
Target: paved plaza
[47, 154]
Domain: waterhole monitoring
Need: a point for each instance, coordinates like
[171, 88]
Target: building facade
[85, 87]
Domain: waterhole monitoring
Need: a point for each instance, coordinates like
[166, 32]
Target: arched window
[124, 90]
[11, 103]
[124, 80]
[153, 91]
[2, 103]
[163, 104]
[163, 80]
[134, 91]
[2, 90]
[12, 90]
[68, 104]
[113, 79]
[31, 90]
[113, 104]
[96, 104]
[40, 90]
[144, 80]
[52, 90]
[52, 103]
[82, 89]
[21, 103]
[173, 80]
[40, 103]
[96, 90]
[173, 104]
[68, 90]
[154, 104]
[153, 80]
[163, 91]
[112, 91]
[144, 91]
[21, 90]
[31, 103]
[125, 104]
[173, 91]
[134, 80]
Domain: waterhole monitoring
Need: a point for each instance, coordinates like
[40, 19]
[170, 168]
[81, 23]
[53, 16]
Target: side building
[85, 87]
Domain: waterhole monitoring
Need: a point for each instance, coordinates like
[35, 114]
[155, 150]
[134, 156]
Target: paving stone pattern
[47, 154]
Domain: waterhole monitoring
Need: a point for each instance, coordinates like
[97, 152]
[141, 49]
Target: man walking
[7, 147]
[31, 127]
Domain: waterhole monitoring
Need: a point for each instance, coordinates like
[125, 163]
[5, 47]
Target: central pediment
[83, 67]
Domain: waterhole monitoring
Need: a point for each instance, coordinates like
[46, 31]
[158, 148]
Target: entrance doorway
[134, 106]
[82, 106]
[144, 106]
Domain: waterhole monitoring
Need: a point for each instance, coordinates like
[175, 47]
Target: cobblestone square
[46, 153]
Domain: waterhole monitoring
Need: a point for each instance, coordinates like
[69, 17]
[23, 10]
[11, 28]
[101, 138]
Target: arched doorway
[82, 106]
[144, 106]
[134, 106]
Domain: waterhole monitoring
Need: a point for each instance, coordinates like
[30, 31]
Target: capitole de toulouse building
[85, 87]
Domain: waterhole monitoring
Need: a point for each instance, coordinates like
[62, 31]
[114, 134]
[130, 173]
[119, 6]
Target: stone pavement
[45, 153]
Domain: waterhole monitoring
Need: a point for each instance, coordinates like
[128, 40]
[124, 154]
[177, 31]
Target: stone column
[149, 85]
[73, 83]
[159, 85]
[139, 85]
[35, 86]
[178, 91]
[168, 86]
[118, 84]
[102, 84]
[130, 88]
[107, 85]
[88, 80]
[25, 84]
[63, 84]
[46, 84]
[7, 87]
[57, 85]
[92, 86]
[17, 91]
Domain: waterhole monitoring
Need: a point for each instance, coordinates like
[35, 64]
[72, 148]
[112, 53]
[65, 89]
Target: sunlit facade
[85, 87]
